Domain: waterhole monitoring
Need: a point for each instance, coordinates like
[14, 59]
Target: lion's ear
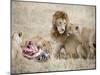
[20, 34]
[76, 27]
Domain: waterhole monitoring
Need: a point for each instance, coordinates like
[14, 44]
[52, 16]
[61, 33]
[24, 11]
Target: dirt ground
[36, 19]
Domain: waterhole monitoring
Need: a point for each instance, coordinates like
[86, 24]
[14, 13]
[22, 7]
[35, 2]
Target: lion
[60, 22]
[18, 61]
[70, 46]
[87, 39]
[44, 45]
[16, 43]
[16, 50]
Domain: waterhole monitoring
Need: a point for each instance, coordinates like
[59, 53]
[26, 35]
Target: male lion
[60, 22]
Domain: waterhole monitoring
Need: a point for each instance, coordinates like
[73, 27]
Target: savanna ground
[34, 19]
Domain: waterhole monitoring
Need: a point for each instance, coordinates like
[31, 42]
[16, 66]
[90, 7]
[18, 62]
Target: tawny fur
[54, 31]
[20, 63]
[86, 37]
[59, 38]
[43, 43]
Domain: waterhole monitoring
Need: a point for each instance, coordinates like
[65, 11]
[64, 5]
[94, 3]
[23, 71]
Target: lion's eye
[44, 44]
[60, 22]
[64, 23]
[69, 28]
[38, 47]
[76, 28]
[20, 34]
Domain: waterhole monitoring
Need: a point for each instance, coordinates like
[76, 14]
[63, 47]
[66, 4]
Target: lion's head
[60, 22]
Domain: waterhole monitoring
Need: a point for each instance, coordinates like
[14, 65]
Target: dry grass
[36, 19]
